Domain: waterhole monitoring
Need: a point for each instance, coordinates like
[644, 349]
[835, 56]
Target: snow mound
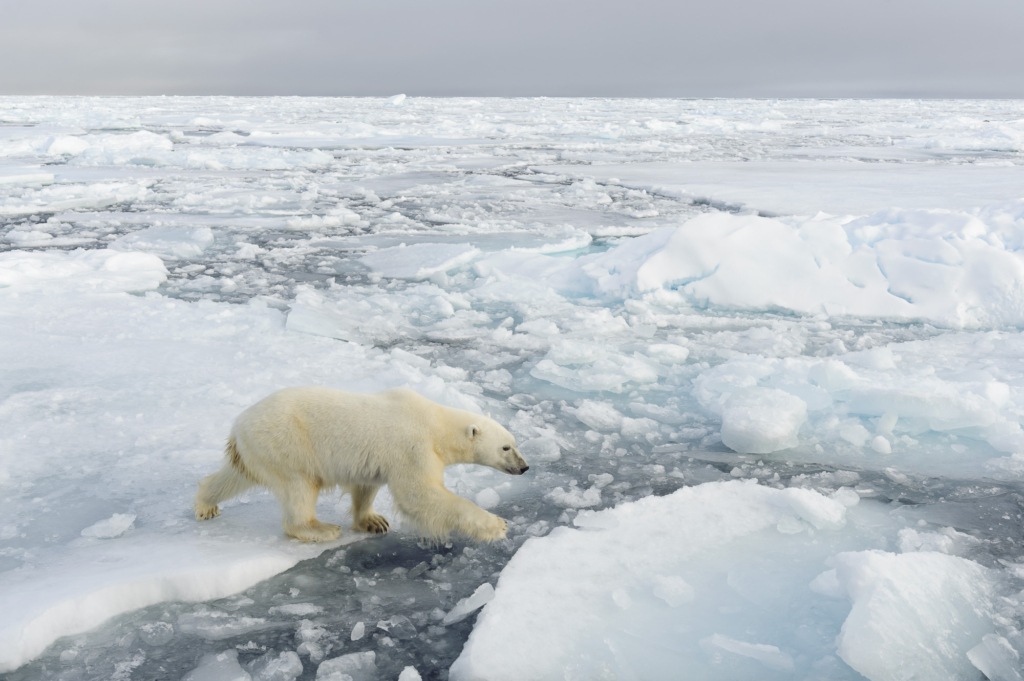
[956, 269]
[114, 526]
[96, 271]
[762, 420]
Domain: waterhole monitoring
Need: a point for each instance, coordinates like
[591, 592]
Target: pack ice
[764, 358]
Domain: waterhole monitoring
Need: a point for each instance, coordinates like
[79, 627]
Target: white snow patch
[114, 526]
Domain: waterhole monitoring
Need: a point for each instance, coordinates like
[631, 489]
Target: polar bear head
[494, 446]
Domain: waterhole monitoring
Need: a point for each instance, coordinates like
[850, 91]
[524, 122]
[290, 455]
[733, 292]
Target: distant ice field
[764, 359]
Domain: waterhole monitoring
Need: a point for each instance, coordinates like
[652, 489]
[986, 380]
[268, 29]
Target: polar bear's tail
[230, 481]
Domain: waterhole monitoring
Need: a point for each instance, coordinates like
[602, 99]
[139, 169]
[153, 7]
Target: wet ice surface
[281, 224]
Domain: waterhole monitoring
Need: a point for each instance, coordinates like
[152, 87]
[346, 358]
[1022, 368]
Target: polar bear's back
[331, 435]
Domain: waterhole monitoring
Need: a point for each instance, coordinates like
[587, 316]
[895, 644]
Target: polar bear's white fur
[300, 441]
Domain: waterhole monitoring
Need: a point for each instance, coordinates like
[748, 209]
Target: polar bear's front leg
[438, 512]
[298, 502]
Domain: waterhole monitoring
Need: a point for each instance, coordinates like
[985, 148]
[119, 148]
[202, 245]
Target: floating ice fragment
[881, 445]
[762, 420]
[352, 667]
[176, 242]
[398, 626]
[599, 415]
[886, 423]
[832, 375]
[396, 100]
[575, 497]
[914, 615]
[296, 609]
[410, 674]
[284, 667]
[996, 658]
[156, 633]
[487, 498]
[544, 449]
[769, 656]
[358, 631]
[897, 477]
[846, 496]
[114, 526]
[467, 606]
[419, 261]
[856, 434]
[219, 667]
[944, 540]
[216, 625]
[668, 353]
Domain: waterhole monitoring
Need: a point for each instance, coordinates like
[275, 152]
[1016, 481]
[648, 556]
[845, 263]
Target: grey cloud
[936, 48]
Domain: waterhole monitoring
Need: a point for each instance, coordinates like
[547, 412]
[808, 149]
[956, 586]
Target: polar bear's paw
[316, 531]
[373, 523]
[491, 529]
[204, 512]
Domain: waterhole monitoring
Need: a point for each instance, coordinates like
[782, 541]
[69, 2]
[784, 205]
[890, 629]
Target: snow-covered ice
[763, 358]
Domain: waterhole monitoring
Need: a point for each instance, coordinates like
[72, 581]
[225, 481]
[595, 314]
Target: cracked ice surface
[762, 356]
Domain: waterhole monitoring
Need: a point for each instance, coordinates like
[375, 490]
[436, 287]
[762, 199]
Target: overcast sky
[769, 48]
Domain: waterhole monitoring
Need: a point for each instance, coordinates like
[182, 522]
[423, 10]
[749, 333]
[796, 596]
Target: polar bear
[299, 441]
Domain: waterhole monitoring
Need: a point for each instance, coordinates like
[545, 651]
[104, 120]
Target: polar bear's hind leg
[364, 518]
[230, 481]
[298, 502]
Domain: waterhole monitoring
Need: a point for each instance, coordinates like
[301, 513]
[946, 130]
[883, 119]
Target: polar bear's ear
[472, 431]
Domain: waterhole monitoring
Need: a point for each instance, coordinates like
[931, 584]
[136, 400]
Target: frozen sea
[764, 359]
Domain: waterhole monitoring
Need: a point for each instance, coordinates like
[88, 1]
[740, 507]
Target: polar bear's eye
[506, 448]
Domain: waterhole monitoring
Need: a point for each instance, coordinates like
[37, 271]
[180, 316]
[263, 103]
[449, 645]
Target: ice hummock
[721, 575]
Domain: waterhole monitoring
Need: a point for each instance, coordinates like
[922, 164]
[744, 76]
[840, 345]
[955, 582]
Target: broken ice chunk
[541, 449]
[996, 658]
[419, 261]
[769, 656]
[219, 667]
[905, 605]
[762, 420]
[487, 498]
[284, 667]
[355, 666]
[467, 606]
[410, 674]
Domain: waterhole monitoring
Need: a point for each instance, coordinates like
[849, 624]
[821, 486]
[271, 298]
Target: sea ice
[818, 301]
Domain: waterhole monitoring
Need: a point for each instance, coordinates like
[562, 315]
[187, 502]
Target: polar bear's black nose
[524, 469]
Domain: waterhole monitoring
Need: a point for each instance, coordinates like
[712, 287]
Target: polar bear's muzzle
[518, 465]
[518, 470]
